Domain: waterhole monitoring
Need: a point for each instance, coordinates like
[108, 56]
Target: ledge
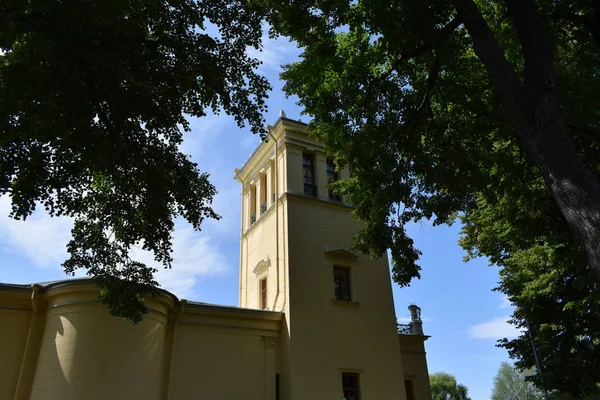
[341, 252]
[345, 303]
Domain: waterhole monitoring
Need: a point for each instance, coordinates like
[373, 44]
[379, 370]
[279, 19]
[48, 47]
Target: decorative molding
[270, 342]
[262, 266]
[341, 252]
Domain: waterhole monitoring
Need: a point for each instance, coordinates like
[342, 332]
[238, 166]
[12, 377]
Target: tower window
[263, 193]
[332, 176]
[263, 293]
[350, 386]
[341, 280]
[308, 172]
[273, 188]
[252, 204]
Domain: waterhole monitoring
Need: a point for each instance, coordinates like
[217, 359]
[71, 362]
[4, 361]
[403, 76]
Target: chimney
[415, 319]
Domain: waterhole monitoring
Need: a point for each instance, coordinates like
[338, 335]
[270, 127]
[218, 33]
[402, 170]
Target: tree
[418, 98]
[423, 100]
[93, 101]
[510, 384]
[543, 272]
[445, 387]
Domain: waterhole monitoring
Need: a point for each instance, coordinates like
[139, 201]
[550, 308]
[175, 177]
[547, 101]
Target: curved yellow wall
[15, 317]
[87, 354]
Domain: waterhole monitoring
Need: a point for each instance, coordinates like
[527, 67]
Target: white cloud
[406, 320]
[497, 328]
[505, 303]
[195, 257]
[40, 238]
[275, 52]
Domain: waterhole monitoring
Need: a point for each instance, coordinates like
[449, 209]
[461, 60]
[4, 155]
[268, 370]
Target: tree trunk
[533, 107]
[574, 188]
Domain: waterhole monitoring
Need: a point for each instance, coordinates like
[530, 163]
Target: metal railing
[405, 329]
[263, 208]
[252, 219]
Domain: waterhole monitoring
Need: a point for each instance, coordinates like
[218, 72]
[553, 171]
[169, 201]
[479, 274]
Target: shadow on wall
[86, 353]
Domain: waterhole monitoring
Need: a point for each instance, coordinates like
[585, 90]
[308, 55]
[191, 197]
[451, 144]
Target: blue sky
[461, 313]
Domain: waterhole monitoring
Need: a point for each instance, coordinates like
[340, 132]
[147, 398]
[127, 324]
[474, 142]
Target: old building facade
[315, 320]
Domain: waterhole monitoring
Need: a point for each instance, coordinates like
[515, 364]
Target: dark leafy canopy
[445, 387]
[93, 102]
[401, 93]
[544, 274]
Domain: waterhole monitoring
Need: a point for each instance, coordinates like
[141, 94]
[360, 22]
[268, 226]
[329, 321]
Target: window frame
[349, 286]
[409, 389]
[310, 188]
[263, 298]
[355, 390]
[332, 176]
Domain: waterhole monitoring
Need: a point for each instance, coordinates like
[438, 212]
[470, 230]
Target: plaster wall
[414, 362]
[222, 364]
[329, 336]
[180, 350]
[15, 319]
[86, 353]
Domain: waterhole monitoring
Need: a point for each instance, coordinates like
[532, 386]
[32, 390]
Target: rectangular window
[341, 280]
[252, 204]
[263, 193]
[308, 173]
[350, 386]
[273, 188]
[263, 293]
[277, 387]
[410, 389]
[332, 176]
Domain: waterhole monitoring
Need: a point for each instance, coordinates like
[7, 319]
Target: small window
[332, 176]
[273, 186]
[263, 293]
[277, 387]
[410, 389]
[350, 386]
[341, 280]
[308, 173]
[263, 193]
[252, 204]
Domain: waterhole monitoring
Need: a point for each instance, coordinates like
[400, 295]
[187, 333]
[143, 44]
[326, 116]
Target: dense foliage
[93, 101]
[483, 110]
[544, 274]
[445, 387]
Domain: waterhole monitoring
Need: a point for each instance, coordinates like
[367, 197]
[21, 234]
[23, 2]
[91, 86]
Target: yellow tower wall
[328, 336]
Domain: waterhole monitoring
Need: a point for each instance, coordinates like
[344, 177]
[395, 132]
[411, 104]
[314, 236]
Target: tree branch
[589, 131]
[432, 76]
[538, 51]
[438, 37]
[501, 73]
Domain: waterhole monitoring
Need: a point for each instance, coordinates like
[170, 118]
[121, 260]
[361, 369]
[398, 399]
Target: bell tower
[341, 333]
